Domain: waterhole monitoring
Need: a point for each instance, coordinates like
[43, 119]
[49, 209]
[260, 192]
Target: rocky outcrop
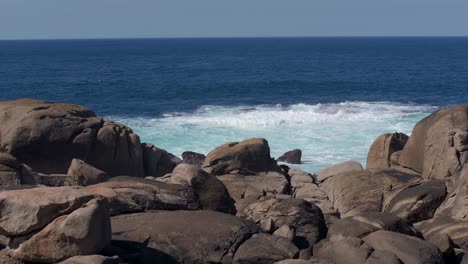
[81, 173]
[212, 193]
[47, 136]
[381, 150]
[306, 218]
[131, 194]
[174, 233]
[13, 173]
[292, 157]
[252, 155]
[344, 167]
[156, 162]
[193, 158]
[437, 147]
[265, 249]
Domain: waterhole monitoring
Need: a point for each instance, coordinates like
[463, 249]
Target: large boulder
[291, 157]
[157, 162]
[212, 193]
[411, 250]
[418, 202]
[13, 173]
[132, 194]
[357, 192]
[193, 158]
[344, 167]
[85, 231]
[47, 136]
[382, 149]
[252, 155]
[437, 147]
[186, 236]
[265, 249]
[306, 218]
[260, 184]
[346, 250]
[81, 173]
[27, 210]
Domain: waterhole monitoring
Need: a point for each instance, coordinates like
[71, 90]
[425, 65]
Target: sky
[71, 19]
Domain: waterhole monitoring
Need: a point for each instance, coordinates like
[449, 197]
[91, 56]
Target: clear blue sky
[43, 19]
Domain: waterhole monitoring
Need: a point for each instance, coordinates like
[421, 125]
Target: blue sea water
[329, 97]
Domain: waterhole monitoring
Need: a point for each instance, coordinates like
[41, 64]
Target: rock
[383, 257]
[418, 202]
[260, 184]
[85, 231]
[286, 231]
[344, 167]
[347, 250]
[132, 194]
[357, 192]
[212, 193]
[6, 259]
[304, 217]
[193, 158]
[303, 186]
[444, 243]
[157, 162]
[252, 155]
[408, 249]
[291, 157]
[387, 221]
[47, 136]
[349, 228]
[83, 174]
[9, 170]
[437, 147]
[28, 210]
[92, 259]
[264, 248]
[294, 261]
[54, 180]
[217, 235]
[382, 149]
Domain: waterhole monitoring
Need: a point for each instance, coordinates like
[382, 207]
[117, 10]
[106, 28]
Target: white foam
[327, 133]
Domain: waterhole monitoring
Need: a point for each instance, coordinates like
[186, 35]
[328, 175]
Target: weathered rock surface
[92, 259]
[12, 172]
[47, 136]
[260, 184]
[193, 158]
[132, 194]
[264, 249]
[292, 157]
[85, 231]
[157, 162]
[344, 167]
[28, 210]
[437, 147]
[382, 149]
[407, 248]
[417, 203]
[306, 218]
[357, 192]
[212, 193]
[187, 236]
[83, 174]
[347, 250]
[251, 155]
[387, 221]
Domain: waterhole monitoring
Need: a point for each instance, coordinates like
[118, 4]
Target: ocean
[330, 97]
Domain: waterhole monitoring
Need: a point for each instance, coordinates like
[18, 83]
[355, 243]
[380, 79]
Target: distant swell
[327, 133]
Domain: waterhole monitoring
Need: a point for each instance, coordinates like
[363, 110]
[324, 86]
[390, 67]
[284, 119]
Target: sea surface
[330, 97]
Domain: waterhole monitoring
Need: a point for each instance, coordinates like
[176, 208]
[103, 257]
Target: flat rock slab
[27, 210]
[347, 166]
[187, 236]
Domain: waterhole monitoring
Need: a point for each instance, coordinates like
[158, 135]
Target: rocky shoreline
[79, 189]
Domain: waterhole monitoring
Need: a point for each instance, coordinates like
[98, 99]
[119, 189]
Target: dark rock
[212, 193]
[265, 249]
[382, 149]
[157, 162]
[83, 174]
[251, 155]
[187, 236]
[193, 158]
[291, 157]
[347, 250]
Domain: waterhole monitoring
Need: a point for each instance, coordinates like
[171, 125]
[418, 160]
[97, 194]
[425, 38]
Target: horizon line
[235, 37]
